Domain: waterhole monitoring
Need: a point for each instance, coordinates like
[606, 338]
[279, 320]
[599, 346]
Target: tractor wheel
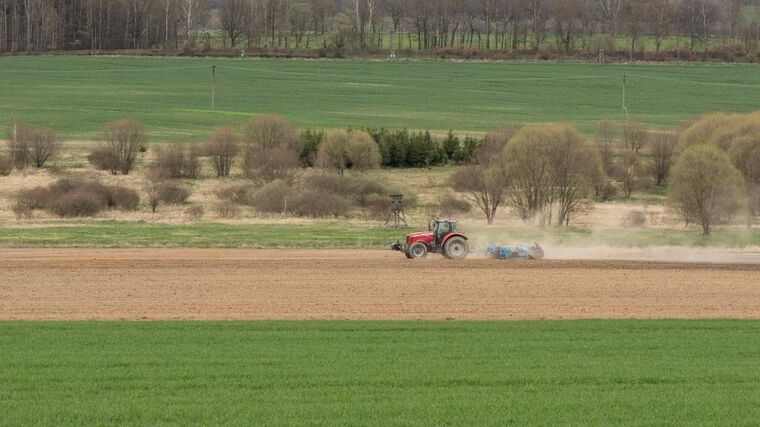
[417, 250]
[456, 248]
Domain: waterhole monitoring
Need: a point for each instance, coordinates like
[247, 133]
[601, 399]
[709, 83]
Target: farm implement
[444, 238]
[515, 252]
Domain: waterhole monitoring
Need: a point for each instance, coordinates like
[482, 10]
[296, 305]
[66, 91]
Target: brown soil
[248, 284]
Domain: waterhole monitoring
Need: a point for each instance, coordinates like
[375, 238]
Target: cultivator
[515, 252]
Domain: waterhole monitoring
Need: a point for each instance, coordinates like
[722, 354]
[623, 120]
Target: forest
[361, 26]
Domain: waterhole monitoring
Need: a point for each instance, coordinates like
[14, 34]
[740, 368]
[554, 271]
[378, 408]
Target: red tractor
[442, 238]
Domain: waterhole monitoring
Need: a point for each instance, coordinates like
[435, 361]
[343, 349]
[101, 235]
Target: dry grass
[429, 185]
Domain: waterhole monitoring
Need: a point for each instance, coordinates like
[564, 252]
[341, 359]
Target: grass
[77, 95]
[111, 234]
[381, 373]
[136, 234]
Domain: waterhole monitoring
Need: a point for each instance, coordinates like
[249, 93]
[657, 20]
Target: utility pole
[213, 87]
[625, 110]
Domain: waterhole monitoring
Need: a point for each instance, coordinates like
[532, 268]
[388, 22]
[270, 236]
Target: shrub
[705, 187]
[100, 159]
[5, 166]
[226, 209]
[194, 213]
[273, 197]
[173, 193]
[177, 161]
[348, 150]
[634, 219]
[77, 203]
[123, 140]
[21, 210]
[222, 148]
[124, 198]
[451, 206]
[236, 193]
[358, 188]
[70, 198]
[35, 198]
[320, 204]
[42, 144]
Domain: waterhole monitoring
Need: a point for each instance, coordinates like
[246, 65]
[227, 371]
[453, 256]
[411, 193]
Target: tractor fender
[450, 235]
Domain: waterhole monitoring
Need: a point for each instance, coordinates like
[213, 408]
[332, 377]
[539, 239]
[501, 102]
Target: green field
[77, 95]
[123, 234]
[381, 373]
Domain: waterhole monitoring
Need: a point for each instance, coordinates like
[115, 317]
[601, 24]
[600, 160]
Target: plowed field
[249, 284]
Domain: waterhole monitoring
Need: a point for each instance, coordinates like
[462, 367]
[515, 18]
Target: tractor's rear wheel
[417, 250]
[456, 248]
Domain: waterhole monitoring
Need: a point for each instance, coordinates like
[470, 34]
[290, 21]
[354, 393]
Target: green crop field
[380, 373]
[136, 234]
[77, 95]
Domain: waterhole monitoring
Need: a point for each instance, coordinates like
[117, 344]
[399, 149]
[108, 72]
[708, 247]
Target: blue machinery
[515, 252]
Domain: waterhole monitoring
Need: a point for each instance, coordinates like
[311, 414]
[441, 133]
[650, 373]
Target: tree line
[359, 25]
[546, 173]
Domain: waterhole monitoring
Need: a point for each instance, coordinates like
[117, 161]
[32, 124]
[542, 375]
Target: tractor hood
[424, 236]
[420, 234]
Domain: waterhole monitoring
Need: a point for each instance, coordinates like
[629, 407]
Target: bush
[342, 150]
[273, 197]
[124, 198]
[227, 209]
[173, 193]
[177, 161]
[236, 193]
[5, 166]
[100, 159]
[35, 198]
[123, 140]
[222, 148]
[194, 213]
[705, 187]
[451, 206]
[69, 198]
[21, 210]
[77, 203]
[358, 188]
[42, 144]
[320, 204]
[634, 219]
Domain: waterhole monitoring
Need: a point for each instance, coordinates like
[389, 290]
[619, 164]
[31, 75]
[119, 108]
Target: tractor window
[441, 229]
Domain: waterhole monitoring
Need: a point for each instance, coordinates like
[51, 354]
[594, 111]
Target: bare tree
[572, 164]
[610, 10]
[272, 148]
[18, 147]
[635, 136]
[222, 148]
[484, 186]
[122, 141]
[42, 144]
[633, 12]
[233, 19]
[660, 13]
[662, 147]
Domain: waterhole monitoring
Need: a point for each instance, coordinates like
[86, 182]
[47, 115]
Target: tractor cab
[442, 237]
[441, 228]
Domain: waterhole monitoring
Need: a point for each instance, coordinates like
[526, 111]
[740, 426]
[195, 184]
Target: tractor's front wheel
[456, 248]
[417, 250]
